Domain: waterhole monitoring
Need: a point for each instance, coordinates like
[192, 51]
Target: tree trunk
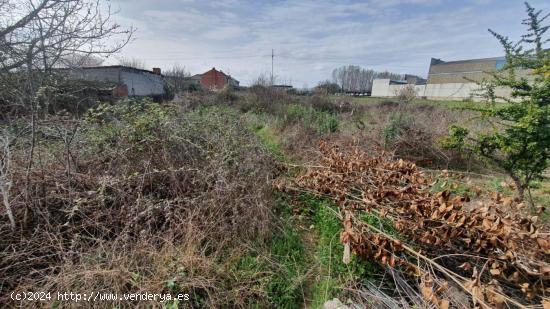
[519, 187]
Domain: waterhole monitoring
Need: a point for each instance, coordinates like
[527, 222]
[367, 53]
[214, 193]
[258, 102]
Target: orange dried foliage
[437, 225]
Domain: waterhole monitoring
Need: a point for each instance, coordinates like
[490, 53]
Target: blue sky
[311, 38]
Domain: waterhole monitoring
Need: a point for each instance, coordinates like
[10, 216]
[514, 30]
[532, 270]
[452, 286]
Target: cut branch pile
[498, 258]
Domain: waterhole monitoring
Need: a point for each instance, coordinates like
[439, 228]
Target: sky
[311, 38]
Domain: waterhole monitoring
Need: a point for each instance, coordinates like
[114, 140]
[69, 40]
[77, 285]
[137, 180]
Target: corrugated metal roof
[469, 60]
[116, 67]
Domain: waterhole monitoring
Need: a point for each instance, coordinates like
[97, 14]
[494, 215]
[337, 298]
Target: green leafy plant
[322, 122]
[397, 125]
[519, 138]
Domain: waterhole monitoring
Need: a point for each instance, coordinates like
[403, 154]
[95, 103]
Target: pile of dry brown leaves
[499, 259]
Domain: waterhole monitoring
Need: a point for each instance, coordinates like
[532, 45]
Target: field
[132, 178]
[449, 104]
[260, 199]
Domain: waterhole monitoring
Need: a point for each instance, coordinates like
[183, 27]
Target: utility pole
[272, 57]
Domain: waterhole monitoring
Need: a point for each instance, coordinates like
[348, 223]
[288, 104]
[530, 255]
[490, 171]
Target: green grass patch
[319, 120]
[384, 224]
[270, 141]
[332, 274]
[451, 104]
[290, 256]
[541, 197]
[280, 274]
[285, 289]
[280, 268]
[454, 186]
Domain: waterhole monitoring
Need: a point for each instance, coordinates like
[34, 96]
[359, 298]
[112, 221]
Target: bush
[325, 104]
[227, 95]
[321, 121]
[72, 96]
[398, 125]
[407, 136]
[327, 87]
[407, 94]
[263, 99]
[388, 104]
[151, 201]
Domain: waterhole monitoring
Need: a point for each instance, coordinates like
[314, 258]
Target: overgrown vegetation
[181, 197]
[334, 275]
[141, 184]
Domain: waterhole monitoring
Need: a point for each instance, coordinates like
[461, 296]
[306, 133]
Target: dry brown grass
[150, 191]
[411, 132]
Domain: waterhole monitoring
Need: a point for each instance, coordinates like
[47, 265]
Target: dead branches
[5, 181]
[139, 177]
[493, 255]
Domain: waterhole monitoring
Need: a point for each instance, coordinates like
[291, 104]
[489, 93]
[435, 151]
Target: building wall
[450, 91]
[454, 80]
[98, 74]
[142, 83]
[120, 91]
[214, 80]
[139, 83]
[458, 78]
[447, 91]
[467, 71]
[459, 91]
[383, 88]
[196, 80]
[233, 82]
[462, 71]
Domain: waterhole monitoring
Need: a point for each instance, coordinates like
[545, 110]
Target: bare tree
[80, 61]
[35, 36]
[327, 87]
[133, 63]
[356, 79]
[262, 80]
[389, 75]
[5, 181]
[39, 33]
[176, 76]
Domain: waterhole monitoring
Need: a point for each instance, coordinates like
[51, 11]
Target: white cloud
[387, 3]
[312, 37]
[224, 33]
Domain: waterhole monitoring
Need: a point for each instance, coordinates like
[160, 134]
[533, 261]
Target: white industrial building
[452, 80]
